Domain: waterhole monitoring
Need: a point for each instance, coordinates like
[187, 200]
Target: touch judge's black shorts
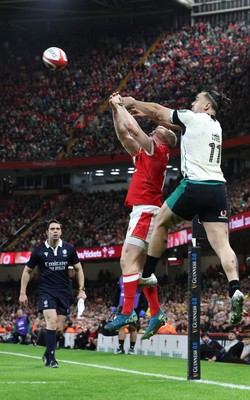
[54, 300]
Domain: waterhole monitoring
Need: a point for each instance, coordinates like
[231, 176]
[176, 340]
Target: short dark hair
[53, 221]
[205, 333]
[246, 337]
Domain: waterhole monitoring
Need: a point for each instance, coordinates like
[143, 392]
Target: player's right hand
[115, 99]
[23, 299]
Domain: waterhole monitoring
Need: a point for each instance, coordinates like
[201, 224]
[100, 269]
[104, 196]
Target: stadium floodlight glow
[99, 170]
[186, 3]
[175, 169]
[172, 258]
[169, 166]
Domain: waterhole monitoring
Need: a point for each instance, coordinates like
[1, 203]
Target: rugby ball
[55, 59]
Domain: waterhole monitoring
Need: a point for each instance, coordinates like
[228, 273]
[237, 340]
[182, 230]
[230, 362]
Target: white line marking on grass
[32, 383]
[129, 371]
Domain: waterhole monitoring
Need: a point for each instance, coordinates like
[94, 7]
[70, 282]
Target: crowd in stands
[90, 219]
[15, 213]
[183, 63]
[44, 113]
[40, 108]
[215, 307]
[193, 58]
[239, 193]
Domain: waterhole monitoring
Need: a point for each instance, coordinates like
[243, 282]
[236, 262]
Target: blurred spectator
[81, 339]
[245, 355]
[212, 350]
[167, 328]
[233, 345]
[21, 332]
[246, 324]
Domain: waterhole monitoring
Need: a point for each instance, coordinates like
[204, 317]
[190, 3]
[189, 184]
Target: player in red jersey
[150, 155]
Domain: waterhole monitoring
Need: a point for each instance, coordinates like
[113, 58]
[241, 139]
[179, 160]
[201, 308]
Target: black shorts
[54, 300]
[208, 199]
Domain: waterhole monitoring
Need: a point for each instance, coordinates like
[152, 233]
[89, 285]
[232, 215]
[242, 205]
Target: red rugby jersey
[147, 182]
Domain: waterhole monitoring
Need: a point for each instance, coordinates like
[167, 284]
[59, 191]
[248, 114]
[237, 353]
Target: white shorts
[141, 225]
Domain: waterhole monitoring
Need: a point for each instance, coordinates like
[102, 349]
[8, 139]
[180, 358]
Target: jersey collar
[59, 243]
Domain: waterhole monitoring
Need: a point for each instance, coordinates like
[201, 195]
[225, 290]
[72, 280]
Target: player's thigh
[165, 217]
[217, 234]
[141, 224]
[133, 257]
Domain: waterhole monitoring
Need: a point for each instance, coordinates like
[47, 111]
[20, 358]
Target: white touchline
[129, 371]
[32, 383]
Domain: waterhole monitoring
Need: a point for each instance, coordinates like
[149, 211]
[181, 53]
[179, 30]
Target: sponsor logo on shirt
[223, 214]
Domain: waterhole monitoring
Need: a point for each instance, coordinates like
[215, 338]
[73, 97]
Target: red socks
[151, 295]
[130, 285]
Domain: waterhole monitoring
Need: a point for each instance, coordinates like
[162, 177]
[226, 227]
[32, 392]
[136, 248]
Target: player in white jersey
[202, 190]
[200, 146]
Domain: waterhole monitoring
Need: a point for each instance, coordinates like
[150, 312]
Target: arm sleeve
[33, 261]
[182, 117]
[74, 256]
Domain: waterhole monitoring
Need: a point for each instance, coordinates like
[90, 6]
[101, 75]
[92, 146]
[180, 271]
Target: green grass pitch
[93, 375]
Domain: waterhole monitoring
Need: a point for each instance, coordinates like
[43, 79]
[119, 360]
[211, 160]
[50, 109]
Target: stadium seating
[49, 115]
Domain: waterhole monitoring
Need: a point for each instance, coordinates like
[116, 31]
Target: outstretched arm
[128, 128]
[122, 133]
[154, 111]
